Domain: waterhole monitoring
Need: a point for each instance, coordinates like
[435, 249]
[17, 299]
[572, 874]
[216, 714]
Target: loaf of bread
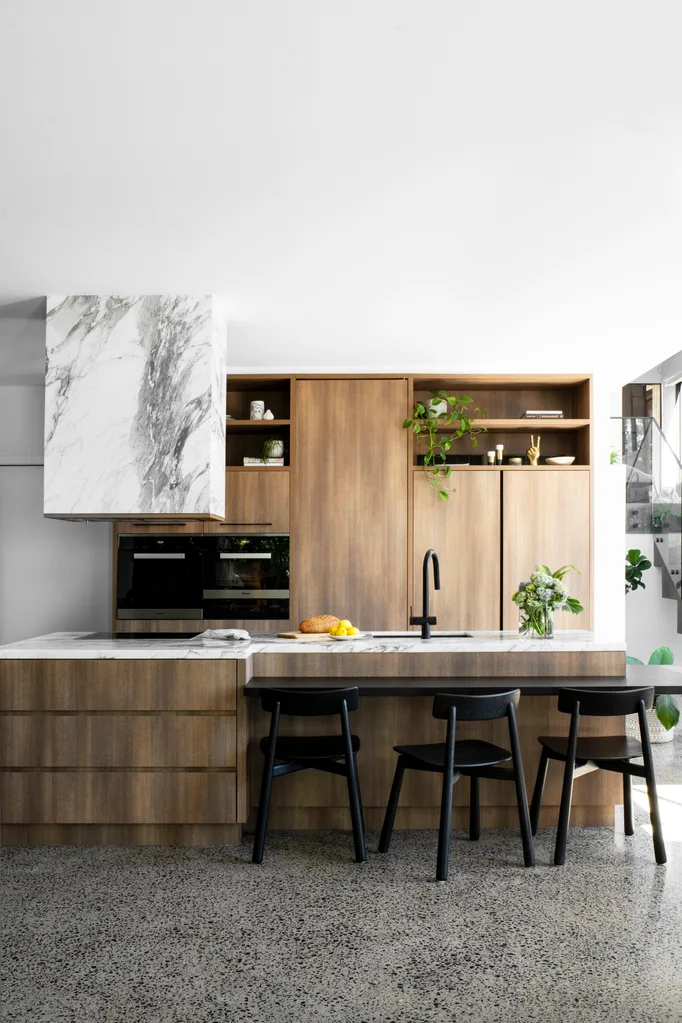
[319, 623]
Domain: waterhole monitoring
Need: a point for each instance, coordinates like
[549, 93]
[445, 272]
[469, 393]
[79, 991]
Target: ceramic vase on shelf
[256, 410]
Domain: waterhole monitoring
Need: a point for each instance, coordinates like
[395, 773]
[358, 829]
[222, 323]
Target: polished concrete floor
[198, 935]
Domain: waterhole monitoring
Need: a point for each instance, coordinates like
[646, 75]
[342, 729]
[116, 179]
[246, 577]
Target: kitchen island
[126, 741]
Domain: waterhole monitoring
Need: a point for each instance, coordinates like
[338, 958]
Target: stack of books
[263, 461]
[542, 414]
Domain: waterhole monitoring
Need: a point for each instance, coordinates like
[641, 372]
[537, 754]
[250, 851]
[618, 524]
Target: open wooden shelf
[245, 425]
[257, 468]
[508, 468]
[521, 425]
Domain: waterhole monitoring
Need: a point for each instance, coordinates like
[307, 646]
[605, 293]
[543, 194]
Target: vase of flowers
[538, 597]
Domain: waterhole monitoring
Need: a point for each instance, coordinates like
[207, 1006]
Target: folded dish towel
[226, 635]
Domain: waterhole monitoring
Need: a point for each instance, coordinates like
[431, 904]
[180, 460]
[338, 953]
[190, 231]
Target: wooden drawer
[117, 740]
[118, 685]
[256, 501]
[118, 797]
[161, 528]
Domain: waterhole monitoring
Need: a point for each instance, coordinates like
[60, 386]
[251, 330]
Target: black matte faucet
[426, 620]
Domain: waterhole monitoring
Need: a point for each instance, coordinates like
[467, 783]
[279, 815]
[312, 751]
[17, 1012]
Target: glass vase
[539, 625]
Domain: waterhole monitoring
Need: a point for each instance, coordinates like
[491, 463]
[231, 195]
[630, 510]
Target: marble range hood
[135, 407]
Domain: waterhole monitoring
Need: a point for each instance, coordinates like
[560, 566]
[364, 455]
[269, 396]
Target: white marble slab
[135, 405]
[77, 646]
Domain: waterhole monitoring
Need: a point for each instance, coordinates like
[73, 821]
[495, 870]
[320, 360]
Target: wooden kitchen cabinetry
[465, 532]
[256, 501]
[122, 752]
[350, 507]
[546, 518]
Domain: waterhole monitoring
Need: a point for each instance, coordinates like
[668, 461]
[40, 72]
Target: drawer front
[117, 740]
[118, 685]
[256, 501]
[139, 528]
[118, 797]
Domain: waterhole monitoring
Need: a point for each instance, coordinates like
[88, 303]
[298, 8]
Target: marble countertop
[85, 646]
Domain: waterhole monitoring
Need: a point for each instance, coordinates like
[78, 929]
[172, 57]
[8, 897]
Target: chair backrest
[605, 702]
[481, 707]
[309, 702]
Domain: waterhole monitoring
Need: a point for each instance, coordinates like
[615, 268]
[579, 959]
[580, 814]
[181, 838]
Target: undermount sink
[417, 635]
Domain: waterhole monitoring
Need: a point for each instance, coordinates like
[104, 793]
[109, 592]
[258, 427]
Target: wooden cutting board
[312, 637]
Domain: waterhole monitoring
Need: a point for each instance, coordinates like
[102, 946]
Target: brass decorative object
[533, 451]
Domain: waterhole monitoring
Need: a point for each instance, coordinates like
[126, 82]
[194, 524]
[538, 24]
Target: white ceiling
[374, 184]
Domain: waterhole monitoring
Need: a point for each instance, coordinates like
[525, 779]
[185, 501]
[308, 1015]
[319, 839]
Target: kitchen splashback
[135, 406]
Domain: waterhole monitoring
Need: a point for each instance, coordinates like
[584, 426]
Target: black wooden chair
[335, 754]
[470, 757]
[606, 753]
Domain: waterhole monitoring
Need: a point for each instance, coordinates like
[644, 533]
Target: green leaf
[633, 660]
[466, 400]
[644, 564]
[667, 711]
[633, 556]
[443, 494]
[415, 428]
[574, 606]
[662, 655]
[406, 423]
[452, 401]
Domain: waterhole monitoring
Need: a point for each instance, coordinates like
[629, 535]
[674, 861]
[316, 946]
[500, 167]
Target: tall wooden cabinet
[546, 516]
[465, 531]
[350, 501]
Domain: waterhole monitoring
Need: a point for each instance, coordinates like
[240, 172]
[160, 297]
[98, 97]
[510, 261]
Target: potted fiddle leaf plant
[437, 423]
[665, 713]
[635, 565]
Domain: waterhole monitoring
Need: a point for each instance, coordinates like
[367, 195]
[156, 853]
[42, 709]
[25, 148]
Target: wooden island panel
[121, 751]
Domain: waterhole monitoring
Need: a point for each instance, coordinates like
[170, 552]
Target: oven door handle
[236, 594]
[159, 557]
[228, 556]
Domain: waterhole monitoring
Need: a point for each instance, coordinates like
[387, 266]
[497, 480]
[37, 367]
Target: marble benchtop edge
[72, 646]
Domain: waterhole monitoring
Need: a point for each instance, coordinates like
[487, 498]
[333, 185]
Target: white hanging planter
[657, 733]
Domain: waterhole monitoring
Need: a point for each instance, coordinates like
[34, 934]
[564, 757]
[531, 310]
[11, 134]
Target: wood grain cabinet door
[349, 541]
[465, 533]
[256, 501]
[546, 518]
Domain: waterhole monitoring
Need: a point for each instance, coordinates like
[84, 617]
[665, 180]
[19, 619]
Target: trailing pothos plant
[431, 427]
[667, 711]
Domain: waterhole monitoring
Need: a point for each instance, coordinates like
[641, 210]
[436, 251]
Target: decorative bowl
[561, 460]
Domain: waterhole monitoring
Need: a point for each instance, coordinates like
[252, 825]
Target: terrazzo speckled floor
[200, 935]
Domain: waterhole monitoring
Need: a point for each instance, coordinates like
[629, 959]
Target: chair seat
[598, 747]
[468, 753]
[309, 747]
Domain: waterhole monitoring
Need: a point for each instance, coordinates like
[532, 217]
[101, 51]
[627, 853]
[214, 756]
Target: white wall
[53, 575]
[373, 185]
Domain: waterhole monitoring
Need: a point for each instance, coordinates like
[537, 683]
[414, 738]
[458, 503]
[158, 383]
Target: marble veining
[134, 405]
[77, 645]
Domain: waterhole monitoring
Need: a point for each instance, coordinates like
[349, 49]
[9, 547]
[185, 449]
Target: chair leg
[445, 826]
[538, 791]
[520, 786]
[356, 810]
[652, 791]
[564, 814]
[357, 779]
[392, 806]
[263, 809]
[474, 808]
[627, 805]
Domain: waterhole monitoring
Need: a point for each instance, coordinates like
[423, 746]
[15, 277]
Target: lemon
[345, 624]
[353, 631]
[332, 631]
[341, 631]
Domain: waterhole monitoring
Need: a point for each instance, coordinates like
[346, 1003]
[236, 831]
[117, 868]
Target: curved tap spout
[427, 620]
